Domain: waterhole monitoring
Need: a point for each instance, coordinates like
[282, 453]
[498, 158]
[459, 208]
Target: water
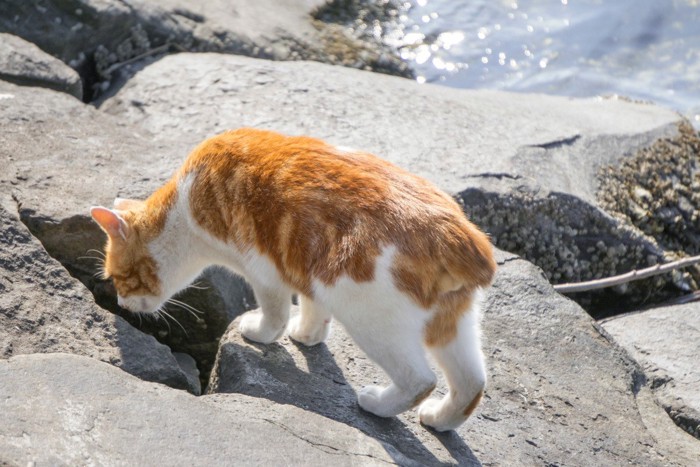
[642, 49]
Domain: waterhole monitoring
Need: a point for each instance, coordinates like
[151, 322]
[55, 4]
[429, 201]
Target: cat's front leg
[268, 323]
[312, 325]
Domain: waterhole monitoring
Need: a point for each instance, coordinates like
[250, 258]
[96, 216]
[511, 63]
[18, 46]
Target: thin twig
[627, 277]
[147, 53]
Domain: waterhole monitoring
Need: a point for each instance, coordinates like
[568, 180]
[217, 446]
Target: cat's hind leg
[462, 362]
[312, 325]
[394, 342]
[267, 324]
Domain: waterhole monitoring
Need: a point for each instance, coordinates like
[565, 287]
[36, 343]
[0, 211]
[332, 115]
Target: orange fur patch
[442, 327]
[319, 213]
[473, 404]
[128, 262]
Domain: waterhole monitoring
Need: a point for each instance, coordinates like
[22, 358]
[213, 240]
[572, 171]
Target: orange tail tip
[469, 257]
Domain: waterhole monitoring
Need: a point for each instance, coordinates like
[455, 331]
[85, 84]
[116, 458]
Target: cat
[360, 240]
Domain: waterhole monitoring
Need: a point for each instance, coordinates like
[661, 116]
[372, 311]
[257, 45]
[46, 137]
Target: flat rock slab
[43, 309]
[666, 342]
[82, 412]
[24, 63]
[559, 392]
[524, 166]
[447, 135]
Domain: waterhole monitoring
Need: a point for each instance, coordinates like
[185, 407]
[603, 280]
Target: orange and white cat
[384, 252]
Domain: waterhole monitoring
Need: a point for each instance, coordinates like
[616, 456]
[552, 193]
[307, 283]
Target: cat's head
[129, 257]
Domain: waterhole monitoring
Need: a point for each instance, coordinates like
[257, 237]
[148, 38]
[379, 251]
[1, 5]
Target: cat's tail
[467, 255]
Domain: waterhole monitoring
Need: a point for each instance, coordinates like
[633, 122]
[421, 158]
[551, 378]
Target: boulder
[61, 157]
[100, 38]
[559, 392]
[666, 342]
[82, 412]
[43, 310]
[526, 167]
[24, 63]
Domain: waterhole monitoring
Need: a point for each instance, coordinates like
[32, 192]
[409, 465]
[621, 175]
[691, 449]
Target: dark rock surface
[24, 63]
[535, 157]
[559, 392]
[44, 310]
[666, 342]
[83, 412]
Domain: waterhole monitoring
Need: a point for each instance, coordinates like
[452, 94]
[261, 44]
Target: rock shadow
[276, 372]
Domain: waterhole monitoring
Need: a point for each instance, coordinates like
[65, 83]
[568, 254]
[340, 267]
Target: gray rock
[43, 310]
[101, 37]
[188, 365]
[24, 63]
[666, 342]
[559, 392]
[61, 156]
[83, 412]
[524, 166]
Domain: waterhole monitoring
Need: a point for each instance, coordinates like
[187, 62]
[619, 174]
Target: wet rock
[666, 342]
[525, 167]
[44, 310]
[559, 392]
[24, 63]
[83, 412]
[56, 169]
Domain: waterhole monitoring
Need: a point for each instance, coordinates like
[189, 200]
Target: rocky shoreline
[581, 188]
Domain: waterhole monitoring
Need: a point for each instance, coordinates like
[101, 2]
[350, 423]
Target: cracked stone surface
[44, 310]
[666, 342]
[559, 392]
[83, 412]
[533, 157]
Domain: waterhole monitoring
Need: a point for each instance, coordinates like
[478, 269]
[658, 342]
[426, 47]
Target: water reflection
[643, 49]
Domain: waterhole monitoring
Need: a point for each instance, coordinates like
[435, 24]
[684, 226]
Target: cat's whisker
[197, 286]
[158, 315]
[94, 258]
[92, 250]
[168, 315]
[194, 311]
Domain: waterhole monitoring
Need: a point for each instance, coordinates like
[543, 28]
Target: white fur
[386, 324]
[463, 364]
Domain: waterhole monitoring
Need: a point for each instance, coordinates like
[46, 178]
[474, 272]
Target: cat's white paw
[370, 399]
[308, 335]
[253, 327]
[431, 414]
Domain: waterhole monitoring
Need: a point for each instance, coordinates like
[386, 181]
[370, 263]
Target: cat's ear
[111, 222]
[123, 204]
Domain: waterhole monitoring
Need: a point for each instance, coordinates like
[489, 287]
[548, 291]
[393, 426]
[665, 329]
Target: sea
[646, 50]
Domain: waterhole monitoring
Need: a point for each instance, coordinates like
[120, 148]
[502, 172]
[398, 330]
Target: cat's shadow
[325, 391]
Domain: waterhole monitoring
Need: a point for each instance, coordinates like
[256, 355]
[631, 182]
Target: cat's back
[321, 212]
[300, 169]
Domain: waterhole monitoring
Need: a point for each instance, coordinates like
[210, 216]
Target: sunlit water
[641, 49]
